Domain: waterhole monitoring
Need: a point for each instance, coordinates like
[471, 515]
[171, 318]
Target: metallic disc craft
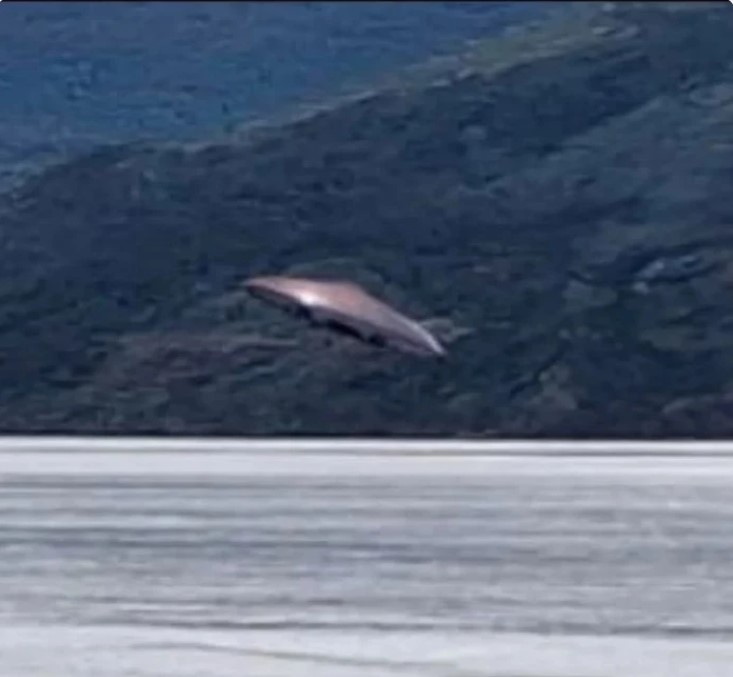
[346, 308]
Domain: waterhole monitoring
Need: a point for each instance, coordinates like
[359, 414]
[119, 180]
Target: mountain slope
[556, 202]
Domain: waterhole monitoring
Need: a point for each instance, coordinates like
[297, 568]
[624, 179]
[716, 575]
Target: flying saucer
[346, 308]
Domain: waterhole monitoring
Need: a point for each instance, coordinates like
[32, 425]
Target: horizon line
[420, 446]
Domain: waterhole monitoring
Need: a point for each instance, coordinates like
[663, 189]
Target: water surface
[303, 563]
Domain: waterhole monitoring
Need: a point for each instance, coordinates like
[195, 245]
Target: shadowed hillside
[557, 203]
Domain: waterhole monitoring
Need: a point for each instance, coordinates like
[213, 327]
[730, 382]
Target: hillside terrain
[556, 204]
[86, 73]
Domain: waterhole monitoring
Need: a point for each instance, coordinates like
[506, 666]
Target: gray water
[305, 563]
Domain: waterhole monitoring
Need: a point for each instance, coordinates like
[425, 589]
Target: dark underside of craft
[347, 331]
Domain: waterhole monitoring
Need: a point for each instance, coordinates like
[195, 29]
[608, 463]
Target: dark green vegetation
[557, 203]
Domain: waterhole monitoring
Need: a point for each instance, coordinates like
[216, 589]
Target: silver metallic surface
[346, 306]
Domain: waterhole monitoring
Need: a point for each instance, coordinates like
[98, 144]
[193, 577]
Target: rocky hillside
[556, 203]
